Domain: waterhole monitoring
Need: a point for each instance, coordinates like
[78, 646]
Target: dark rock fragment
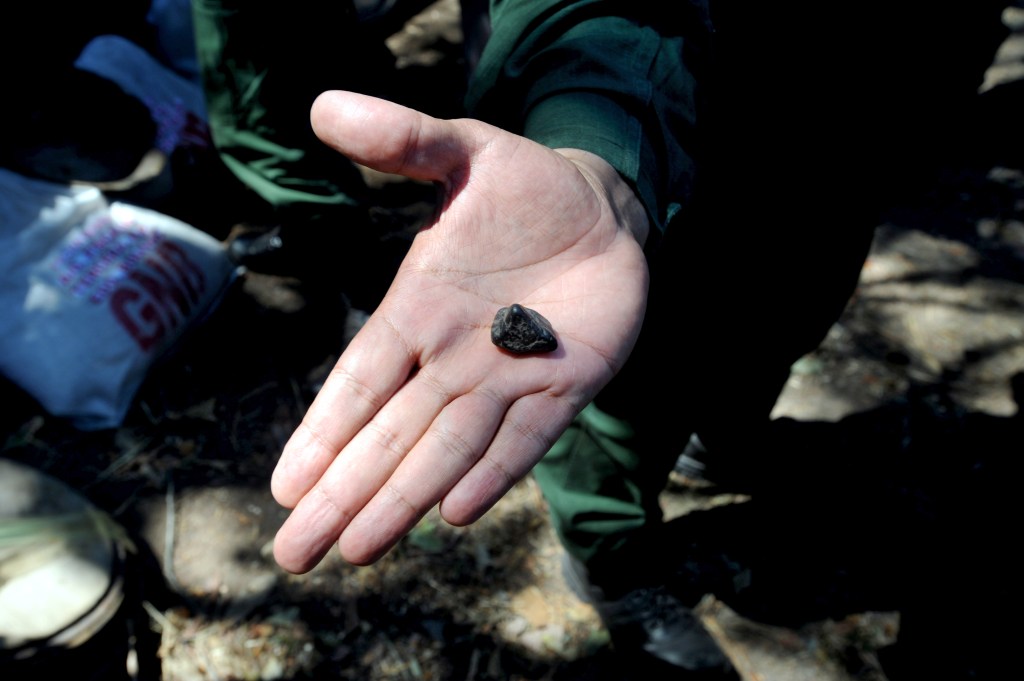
[521, 330]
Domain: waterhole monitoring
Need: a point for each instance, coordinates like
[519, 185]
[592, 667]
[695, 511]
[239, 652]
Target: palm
[422, 408]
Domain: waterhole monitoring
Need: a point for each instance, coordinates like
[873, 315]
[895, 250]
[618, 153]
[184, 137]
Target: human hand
[421, 407]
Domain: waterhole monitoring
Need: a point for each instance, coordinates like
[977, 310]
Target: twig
[120, 462]
[166, 625]
[169, 527]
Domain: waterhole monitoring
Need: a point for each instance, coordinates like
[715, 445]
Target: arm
[421, 408]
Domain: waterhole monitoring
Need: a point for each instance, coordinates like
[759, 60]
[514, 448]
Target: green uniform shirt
[602, 77]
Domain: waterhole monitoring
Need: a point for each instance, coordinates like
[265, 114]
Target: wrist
[620, 197]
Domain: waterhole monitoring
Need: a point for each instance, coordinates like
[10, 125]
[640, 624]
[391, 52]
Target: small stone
[521, 330]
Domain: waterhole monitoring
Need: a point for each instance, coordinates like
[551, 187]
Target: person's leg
[761, 263]
[598, 486]
[262, 65]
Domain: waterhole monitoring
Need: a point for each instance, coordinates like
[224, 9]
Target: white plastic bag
[175, 103]
[92, 293]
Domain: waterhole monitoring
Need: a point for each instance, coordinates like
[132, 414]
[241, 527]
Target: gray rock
[521, 330]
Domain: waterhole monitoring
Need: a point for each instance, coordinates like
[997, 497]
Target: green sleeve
[604, 77]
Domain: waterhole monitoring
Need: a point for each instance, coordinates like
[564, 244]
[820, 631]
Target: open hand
[422, 408]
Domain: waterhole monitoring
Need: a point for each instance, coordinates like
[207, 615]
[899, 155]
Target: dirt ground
[916, 392]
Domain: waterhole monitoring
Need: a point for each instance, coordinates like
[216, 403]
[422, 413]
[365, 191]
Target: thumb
[392, 138]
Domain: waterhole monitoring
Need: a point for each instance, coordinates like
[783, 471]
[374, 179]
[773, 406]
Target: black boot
[656, 633]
